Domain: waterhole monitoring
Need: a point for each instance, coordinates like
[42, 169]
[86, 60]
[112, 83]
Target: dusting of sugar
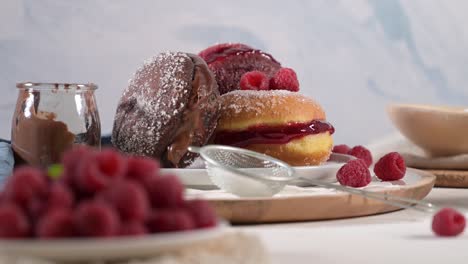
[156, 85]
[273, 99]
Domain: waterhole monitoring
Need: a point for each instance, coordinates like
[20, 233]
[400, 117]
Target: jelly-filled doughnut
[282, 124]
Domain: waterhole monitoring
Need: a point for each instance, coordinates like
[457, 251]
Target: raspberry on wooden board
[363, 153]
[354, 174]
[341, 149]
[390, 167]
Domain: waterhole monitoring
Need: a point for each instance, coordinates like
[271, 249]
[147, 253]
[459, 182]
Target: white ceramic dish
[199, 178]
[84, 250]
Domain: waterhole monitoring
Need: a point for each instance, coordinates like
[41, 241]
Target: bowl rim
[451, 109]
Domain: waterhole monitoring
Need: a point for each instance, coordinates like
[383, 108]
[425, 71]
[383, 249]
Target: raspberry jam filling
[225, 52]
[262, 134]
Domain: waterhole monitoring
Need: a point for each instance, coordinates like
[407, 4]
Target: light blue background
[353, 56]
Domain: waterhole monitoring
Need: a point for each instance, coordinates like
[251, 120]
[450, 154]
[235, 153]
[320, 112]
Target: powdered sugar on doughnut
[242, 109]
[266, 100]
[157, 93]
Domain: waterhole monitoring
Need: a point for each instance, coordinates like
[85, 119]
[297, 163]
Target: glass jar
[50, 118]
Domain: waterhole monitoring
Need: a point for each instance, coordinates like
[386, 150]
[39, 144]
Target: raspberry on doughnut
[282, 124]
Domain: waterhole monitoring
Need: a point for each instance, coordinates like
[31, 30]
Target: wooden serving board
[416, 185]
[450, 178]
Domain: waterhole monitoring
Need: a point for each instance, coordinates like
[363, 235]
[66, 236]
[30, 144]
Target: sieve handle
[383, 197]
[194, 149]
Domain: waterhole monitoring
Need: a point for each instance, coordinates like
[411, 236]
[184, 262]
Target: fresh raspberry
[390, 167]
[111, 162]
[71, 160]
[285, 79]
[165, 191]
[361, 152]
[13, 222]
[72, 157]
[35, 209]
[354, 173]
[96, 219]
[141, 168]
[341, 149]
[59, 195]
[96, 172]
[166, 220]
[254, 80]
[202, 213]
[129, 198]
[448, 222]
[133, 228]
[55, 223]
[25, 185]
[83, 196]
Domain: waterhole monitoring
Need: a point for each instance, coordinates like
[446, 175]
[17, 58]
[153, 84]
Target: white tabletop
[399, 237]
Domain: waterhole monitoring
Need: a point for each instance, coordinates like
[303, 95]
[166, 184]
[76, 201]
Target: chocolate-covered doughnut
[172, 102]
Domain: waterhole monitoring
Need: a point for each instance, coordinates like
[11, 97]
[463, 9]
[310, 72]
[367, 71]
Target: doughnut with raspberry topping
[279, 123]
[229, 61]
[172, 102]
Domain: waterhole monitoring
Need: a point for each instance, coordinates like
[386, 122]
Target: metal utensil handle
[386, 198]
[194, 149]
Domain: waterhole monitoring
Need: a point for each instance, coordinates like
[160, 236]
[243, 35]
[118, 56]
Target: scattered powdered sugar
[293, 191]
[158, 88]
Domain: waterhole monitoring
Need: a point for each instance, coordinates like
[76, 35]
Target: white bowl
[109, 249]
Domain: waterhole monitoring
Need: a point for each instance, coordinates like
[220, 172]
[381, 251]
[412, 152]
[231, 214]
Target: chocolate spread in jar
[40, 140]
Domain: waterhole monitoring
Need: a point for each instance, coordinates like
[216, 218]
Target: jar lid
[57, 86]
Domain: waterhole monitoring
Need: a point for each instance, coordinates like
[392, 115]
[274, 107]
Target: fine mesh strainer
[247, 173]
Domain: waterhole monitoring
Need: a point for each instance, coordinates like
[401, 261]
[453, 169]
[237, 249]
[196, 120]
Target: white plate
[109, 249]
[199, 178]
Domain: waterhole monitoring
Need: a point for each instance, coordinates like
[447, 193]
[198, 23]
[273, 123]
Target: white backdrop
[353, 56]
